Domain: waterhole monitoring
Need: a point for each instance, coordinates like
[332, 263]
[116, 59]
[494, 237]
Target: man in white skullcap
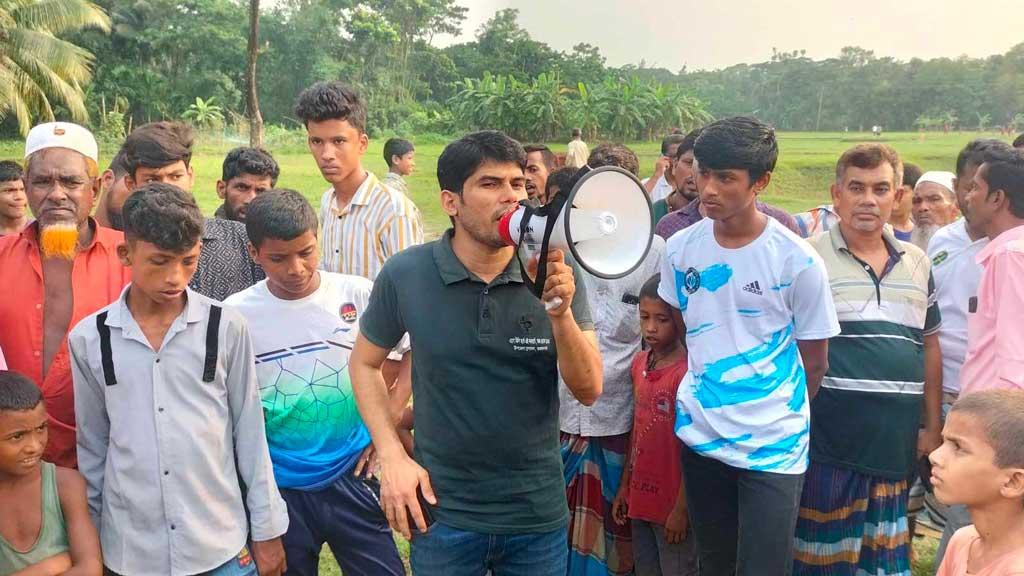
[59, 269]
[934, 206]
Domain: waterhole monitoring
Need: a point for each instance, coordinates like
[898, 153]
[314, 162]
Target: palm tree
[38, 69]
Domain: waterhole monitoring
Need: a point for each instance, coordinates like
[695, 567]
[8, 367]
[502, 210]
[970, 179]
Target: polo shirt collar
[998, 242]
[891, 243]
[452, 269]
[362, 195]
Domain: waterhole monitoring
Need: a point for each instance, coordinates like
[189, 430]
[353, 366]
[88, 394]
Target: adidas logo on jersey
[754, 288]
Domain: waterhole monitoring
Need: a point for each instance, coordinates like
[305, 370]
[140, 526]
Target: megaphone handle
[553, 303]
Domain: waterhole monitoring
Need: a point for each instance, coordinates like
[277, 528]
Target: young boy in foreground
[980, 464]
[171, 438]
[45, 527]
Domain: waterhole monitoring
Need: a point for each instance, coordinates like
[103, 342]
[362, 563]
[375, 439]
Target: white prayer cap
[62, 135]
[944, 179]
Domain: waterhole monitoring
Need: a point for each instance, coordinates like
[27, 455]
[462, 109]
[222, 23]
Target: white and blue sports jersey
[744, 399]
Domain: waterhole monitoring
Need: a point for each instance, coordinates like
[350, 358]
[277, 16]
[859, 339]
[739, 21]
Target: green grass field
[801, 180]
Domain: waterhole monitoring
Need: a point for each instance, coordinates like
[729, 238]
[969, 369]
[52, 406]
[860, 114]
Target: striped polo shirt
[867, 413]
[378, 223]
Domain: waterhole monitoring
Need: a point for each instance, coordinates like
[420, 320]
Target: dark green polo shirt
[485, 383]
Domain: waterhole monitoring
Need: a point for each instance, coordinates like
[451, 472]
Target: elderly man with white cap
[59, 269]
[934, 206]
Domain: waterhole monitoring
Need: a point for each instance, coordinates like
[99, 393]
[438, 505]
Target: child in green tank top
[45, 528]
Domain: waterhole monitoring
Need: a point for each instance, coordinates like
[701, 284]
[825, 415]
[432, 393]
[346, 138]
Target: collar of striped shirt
[360, 198]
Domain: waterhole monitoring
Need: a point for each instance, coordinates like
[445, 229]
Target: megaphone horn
[604, 222]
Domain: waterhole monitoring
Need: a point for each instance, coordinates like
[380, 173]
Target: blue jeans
[447, 551]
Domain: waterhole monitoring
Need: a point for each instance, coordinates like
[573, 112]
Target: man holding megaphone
[485, 488]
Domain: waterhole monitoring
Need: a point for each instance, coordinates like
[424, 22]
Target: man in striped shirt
[363, 222]
[885, 365]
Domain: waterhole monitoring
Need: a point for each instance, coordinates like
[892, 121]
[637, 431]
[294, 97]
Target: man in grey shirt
[595, 438]
[171, 436]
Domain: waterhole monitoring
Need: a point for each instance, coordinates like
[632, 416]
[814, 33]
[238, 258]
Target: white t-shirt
[661, 189]
[956, 274]
[744, 399]
[314, 430]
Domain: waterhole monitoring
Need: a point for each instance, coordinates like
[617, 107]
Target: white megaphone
[605, 222]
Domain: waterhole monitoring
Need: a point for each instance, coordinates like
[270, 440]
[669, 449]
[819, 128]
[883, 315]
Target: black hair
[576, 133]
[119, 165]
[281, 214]
[563, 178]
[668, 141]
[911, 174]
[10, 170]
[253, 161]
[158, 144]
[1018, 142]
[686, 145]
[650, 288]
[973, 154]
[396, 147]
[1004, 170]
[462, 157]
[163, 215]
[738, 143]
[614, 155]
[331, 101]
[548, 157]
[17, 392]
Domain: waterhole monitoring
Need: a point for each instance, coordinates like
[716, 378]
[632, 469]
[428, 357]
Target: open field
[801, 180]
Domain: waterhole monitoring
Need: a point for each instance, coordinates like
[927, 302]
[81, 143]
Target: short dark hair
[974, 152]
[564, 178]
[253, 161]
[1005, 171]
[10, 170]
[549, 158]
[650, 288]
[870, 156]
[1018, 142]
[461, 158]
[999, 413]
[911, 174]
[119, 165]
[331, 101]
[281, 214]
[608, 154]
[739, 142]
[396, 147]
[576, 133]
[163, 215]
[687, 143]
[17, 392]
[158, 144]
[669, 140]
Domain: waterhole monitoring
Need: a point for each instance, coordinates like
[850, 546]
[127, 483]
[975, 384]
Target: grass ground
[801, 180]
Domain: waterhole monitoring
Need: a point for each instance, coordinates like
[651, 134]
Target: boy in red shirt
[652, 494]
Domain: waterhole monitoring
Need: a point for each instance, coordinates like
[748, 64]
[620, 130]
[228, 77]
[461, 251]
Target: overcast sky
[717, 33]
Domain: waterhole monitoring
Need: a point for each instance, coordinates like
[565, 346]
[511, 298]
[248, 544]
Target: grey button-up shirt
[163, 452]
[615, 308]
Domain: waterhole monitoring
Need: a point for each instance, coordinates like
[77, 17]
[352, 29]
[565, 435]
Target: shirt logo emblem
[940, 258]
[691, 280]
[631, 299]
[58, 131]
[348, 312]
[754, 288]
[525, 324]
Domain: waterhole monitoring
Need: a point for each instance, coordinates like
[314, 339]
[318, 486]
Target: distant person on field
[400, 156]
[902, 218]
[245, 174]
[934, 206]
[954, 254]
[13, 202]
[45, 527]
[161, 152]
[981, 465]
[540, 162]
[577, 153]
[595, 437]
[651, 495]
[363, 221]
[113, 192]
[662, 183]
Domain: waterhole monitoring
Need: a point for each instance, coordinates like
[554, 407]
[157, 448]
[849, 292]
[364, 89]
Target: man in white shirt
[662, 182]
[577, 153]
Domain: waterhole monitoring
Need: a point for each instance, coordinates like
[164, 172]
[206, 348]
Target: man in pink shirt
[995, 323]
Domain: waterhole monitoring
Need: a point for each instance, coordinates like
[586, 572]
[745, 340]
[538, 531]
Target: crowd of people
[765, 394]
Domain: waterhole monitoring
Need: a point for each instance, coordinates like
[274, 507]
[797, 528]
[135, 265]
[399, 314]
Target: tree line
[116, 63]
